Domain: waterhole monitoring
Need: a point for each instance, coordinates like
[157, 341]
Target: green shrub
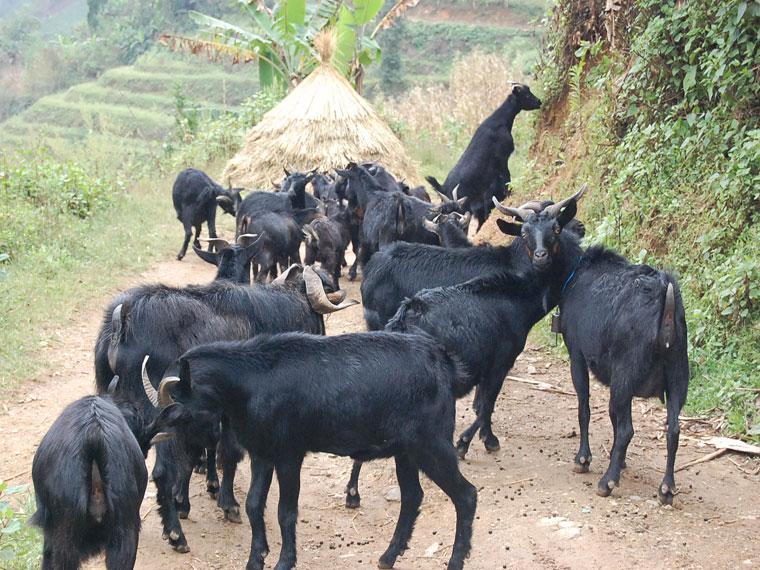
[672, 148]
[20, 543]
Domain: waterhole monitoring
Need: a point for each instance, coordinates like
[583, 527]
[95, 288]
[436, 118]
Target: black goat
[388, 215]
[163, 322]
[451, 229]
[626, 324]
[400, 270]
[268, 388]
[326, 243]
[195, 198]
[280, 242]
[485, 322]
[482, 171]
[89, 480]
[232, 260]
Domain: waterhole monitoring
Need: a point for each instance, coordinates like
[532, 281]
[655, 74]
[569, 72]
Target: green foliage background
[668, 131]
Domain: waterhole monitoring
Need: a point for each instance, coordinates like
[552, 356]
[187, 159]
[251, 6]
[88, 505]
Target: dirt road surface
[533, 511]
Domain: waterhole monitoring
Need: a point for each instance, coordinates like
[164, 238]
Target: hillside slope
[130, 108]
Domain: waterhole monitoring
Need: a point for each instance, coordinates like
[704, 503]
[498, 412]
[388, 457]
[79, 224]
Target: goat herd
[205, 372]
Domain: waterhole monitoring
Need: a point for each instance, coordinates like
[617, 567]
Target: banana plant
[280, 39]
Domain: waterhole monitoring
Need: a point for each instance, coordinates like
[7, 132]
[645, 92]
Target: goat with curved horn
[246, 239]
[555, 209]
[164, 397]
[432, 227]
[318, 299]
[217, 243]
[519, 213]
[116, 326]
[150, 391]
[289, 274]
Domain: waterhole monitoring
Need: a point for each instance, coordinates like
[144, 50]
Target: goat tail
[667, 324]
[96, 454]
[434, 183]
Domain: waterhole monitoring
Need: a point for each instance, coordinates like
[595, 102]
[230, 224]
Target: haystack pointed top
[323, 123]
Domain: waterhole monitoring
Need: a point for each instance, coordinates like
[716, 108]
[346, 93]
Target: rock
[566, 524]
[569, 532]
[551, 521]
[432, 549]
[393, 494]
[532, 369]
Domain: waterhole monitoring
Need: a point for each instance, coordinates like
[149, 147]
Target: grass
[78, 261]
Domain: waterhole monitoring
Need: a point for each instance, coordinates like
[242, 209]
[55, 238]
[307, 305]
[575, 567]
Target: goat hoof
[605, 489]
[582, 464]
[665, 495]
[183, 515]
[492, 444]
[384, 563]
[233, 515]
[353, 501]
[462, 451]
[179, 257]
[181, 548]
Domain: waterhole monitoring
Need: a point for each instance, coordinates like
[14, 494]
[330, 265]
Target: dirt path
[533, 511]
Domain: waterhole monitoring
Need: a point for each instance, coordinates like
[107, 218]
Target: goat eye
[557, 230]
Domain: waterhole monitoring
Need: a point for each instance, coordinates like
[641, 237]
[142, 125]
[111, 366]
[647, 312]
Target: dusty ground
[533, 511]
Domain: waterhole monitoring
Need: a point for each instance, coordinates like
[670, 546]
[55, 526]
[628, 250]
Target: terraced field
[129, 110]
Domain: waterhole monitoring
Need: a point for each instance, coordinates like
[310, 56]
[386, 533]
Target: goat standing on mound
[627, 324]
[292, 393]
[482, 171]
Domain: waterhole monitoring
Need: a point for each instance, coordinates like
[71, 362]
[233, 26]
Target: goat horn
[164, 397]
[454, 193]
[246, 237]
[113, 384]
[115, 337]
[444, 199]
[555, 209]
[217, 243]
[150, 391]
[465, 220]
[337, 297]
[534, 205]
[283, 277]
[430, 226]
[519, 213]
[318, 299]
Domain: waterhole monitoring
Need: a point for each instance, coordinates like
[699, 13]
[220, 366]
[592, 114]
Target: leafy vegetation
[281, 39]
[668, 132]
[20, 543]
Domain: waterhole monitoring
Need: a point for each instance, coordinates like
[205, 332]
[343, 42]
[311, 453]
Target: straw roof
[323, 123]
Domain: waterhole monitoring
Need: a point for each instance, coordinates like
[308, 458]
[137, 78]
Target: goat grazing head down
[231, 259]
[230, 199]
[540, 229]
[525, 98]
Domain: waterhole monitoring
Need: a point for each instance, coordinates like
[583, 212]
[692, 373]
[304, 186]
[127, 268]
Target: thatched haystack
[323, 123]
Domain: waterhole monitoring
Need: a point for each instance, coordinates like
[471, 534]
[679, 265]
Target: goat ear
[207, 256]
[567, 213]
[509, 228]
[287, 172]
[184, 374]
